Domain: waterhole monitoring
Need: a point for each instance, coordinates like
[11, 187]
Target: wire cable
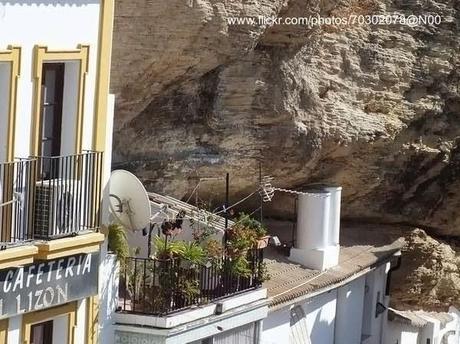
[235, 204]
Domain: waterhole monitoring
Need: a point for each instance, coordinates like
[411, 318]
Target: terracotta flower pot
[262, 242]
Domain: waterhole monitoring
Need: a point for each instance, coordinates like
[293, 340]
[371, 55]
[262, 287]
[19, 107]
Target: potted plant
[258, 231]
[192, 255]
[118, 243]
[167, 250]
[130, 282]
[166, 260]
[240, 240]
[214, 249]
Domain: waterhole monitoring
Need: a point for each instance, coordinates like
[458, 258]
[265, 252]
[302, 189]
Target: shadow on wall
[321, 314]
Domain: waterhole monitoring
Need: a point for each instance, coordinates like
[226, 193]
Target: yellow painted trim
[42, 55]
[67, 252]
[17, 256]
[79, 240]
[64, 247]
[4, 331]
[92, 320]
[13, 56]
[30, 319]
[106, 16]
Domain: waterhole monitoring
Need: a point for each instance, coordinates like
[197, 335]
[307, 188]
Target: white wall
[430, 331]
[108, 297]
[397, 333]
[138, 240]
[337, 317]
[320, 318]
[276, 327]
[350, 302]
[60, 25]
[452, 326]
[374, 292]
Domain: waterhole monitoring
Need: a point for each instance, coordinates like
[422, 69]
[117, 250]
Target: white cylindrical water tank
[313, 215]
[334, 222]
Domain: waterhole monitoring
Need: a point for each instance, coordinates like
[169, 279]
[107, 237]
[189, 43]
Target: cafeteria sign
[48, 283]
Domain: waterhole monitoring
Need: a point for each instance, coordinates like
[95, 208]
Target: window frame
[69, 309]
[13, 56]
[43, 55]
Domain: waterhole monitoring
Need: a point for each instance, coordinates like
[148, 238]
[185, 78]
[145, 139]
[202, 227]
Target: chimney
[318, 228]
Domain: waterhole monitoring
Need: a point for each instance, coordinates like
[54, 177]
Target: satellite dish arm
[119, 206]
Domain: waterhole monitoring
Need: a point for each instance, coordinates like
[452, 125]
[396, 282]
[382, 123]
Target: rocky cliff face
[430, 275]
[375, 108]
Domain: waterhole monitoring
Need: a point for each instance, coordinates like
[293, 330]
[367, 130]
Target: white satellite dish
[129, 201]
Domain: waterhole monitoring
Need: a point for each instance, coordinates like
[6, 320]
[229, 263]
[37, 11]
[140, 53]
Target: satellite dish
[129, 201]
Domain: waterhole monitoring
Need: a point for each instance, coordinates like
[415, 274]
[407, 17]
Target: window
[37, 328]
[5, 82]
[59, 94]
[9, 73]
[51, 108]
[42, 333]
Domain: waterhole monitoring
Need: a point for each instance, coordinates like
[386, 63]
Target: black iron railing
[67, 195]
[16, 201]
[159, 287]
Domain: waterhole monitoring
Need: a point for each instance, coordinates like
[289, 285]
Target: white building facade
[56, 118]
[421, 327]
[345, 313]
[339, 294]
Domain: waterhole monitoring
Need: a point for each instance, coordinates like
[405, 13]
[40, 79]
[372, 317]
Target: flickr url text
[350, 20]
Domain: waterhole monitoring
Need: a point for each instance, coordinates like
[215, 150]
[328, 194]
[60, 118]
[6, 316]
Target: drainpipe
[393, 268]
[384, 320]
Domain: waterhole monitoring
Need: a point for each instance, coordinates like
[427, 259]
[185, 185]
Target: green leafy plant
[118, 242]
[165, 249]
[189, 288]
[263, 274]
[214, 249]
[252, 224]
[192, 253]
[240, 239]
[240, 267]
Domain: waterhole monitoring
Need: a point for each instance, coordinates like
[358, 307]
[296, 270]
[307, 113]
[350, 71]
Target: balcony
[17, 180]
[67, 195]
[46, 198]
[160, 287]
